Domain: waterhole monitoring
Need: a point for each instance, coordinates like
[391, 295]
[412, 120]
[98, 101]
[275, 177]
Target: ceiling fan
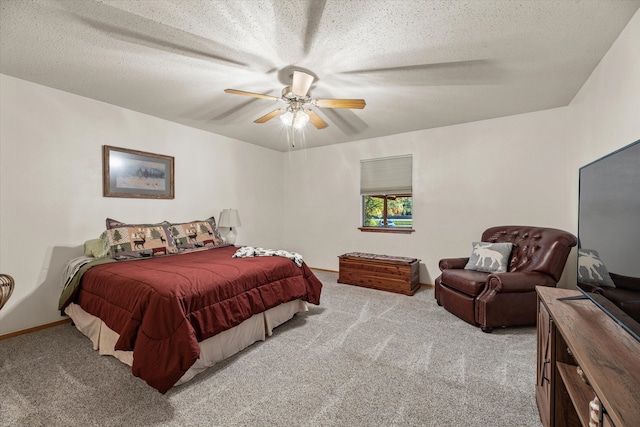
[297, 97]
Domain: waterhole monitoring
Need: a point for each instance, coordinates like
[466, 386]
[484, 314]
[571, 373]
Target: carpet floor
[361, 358]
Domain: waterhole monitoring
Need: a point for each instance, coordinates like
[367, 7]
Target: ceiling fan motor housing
[288, 95]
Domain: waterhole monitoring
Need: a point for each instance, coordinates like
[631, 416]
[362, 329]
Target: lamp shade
[229, 218]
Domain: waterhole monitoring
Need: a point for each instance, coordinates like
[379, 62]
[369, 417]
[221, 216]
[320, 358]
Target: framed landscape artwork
[136, 174]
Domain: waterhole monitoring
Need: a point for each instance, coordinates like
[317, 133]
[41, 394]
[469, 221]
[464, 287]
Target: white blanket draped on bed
[249, 251]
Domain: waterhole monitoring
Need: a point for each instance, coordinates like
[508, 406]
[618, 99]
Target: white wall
[512, 170]
[606, 112]
[606, 115]
[466, 178]
[51, 186]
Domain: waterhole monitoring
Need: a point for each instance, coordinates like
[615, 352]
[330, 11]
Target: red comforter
[162, 307]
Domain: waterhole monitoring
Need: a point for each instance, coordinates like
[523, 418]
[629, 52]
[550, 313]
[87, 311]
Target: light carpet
[362, 358]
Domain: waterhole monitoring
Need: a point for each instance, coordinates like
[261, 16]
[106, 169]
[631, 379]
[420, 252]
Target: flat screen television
[608, 267]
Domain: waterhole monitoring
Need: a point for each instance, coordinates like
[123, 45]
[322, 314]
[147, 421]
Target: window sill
[396, 230]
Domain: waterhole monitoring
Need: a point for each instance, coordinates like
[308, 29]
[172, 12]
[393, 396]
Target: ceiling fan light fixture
[296, 119]
[300, 119]
[287, 118]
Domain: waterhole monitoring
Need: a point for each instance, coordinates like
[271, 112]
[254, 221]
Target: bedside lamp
[6, 286]
[229, 218]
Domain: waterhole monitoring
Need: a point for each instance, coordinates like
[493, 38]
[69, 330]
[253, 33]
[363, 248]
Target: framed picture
[136, 174]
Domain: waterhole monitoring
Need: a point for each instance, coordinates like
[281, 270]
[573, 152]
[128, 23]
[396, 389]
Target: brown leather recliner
[505, 299]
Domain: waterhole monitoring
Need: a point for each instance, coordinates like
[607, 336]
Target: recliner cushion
[489, 257]
[469, 282]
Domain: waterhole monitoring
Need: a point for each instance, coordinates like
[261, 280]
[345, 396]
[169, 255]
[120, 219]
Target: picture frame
[136, 174]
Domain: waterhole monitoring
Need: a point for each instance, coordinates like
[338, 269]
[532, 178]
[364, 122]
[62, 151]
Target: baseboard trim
[34, 329]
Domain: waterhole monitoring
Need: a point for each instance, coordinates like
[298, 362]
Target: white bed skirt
[212, 350]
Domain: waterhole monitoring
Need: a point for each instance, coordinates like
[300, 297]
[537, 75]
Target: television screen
[608, 267]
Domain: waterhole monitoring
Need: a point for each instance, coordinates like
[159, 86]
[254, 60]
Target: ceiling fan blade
[340, 103]
[474, 71]
[346, 120]
[301, 83]
[420, 67]
[315, 10]
[316, 120]
[255, 95]
[136, 29]
[270, 115]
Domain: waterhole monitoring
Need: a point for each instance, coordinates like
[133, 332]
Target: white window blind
[387, 175]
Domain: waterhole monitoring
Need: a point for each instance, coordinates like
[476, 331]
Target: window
[386, 191]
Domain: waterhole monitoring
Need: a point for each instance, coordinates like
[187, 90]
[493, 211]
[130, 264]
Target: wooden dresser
[577, 332]
[383, 272]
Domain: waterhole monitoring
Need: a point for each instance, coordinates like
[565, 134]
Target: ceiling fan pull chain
[290, 136]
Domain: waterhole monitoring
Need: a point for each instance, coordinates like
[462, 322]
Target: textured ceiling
[418, 64]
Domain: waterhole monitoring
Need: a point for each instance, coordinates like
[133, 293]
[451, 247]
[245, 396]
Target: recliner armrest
[452, 263]
[525, 281]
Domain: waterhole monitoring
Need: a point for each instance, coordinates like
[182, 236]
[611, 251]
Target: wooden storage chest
[383, 272]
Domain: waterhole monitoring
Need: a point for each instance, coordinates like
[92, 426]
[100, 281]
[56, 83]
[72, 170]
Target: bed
[170, 317]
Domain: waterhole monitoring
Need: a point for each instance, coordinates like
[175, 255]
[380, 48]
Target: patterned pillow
[592, 270]
[114, 223]
[139, 241]
[195, 234]
[489, 257]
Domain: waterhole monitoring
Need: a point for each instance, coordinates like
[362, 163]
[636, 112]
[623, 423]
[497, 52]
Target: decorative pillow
[139, 241]
[489, 257]
[114, 223]
[196, 234]
[96, 248]
[592, 270]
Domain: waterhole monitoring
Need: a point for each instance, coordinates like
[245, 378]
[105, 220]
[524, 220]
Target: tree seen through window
[388, 211]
